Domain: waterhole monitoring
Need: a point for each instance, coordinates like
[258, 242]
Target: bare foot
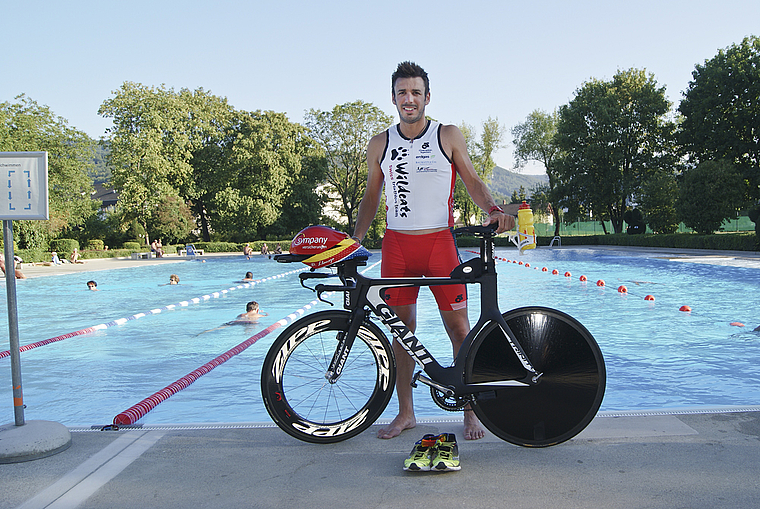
[397, 425]
[473, 430]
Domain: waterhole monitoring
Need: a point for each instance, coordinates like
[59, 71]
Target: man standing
[417, 162]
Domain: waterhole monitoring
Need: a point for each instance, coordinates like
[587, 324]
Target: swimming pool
[657, 357]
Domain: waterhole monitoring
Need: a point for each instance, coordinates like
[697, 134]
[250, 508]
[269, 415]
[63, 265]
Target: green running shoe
[445, 453]
[419, 459]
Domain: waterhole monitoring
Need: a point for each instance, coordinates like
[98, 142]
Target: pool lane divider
[122, 321]
[622, 289]
[136, 412]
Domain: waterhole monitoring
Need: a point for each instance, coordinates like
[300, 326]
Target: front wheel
[303, 402]
[568, 393]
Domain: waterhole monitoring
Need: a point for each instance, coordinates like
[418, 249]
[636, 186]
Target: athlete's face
[410, 99]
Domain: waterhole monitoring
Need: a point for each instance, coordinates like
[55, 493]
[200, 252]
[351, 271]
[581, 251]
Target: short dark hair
[252, 306]
[409, 70]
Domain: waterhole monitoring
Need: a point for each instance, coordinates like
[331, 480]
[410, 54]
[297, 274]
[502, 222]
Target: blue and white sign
[23, 185]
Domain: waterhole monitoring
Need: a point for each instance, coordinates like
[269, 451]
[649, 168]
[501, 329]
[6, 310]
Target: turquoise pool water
[657, 356]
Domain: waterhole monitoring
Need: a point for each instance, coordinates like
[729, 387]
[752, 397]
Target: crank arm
[419, 377]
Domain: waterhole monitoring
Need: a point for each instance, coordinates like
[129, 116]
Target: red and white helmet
[325, 246]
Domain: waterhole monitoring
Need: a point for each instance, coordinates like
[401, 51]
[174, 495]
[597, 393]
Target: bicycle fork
[343, 348]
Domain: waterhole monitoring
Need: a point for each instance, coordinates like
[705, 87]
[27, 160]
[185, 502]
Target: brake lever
[320, 290]
[312, 275]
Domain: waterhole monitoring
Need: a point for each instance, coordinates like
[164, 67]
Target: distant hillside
[504, 183]
[100, 173]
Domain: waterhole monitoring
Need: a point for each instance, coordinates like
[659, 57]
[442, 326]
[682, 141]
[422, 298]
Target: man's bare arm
[454, 144]
[371, 200]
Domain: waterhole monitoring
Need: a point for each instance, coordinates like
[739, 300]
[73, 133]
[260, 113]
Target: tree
[241, 173]
[212, 126]
[709, 194]
[658, 202]
[481, 154]
[26, 126]
[267, 161]
[150, 147]
[172, 221]
[613, 136]
[519, 197]
[344, 133]
[535, 140]
[721, 110]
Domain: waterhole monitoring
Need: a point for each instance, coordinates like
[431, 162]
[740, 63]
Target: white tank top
[419, 180]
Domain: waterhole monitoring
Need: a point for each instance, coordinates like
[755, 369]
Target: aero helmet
[325, 246]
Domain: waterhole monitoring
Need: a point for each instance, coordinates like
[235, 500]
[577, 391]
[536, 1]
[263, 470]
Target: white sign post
[23, 195]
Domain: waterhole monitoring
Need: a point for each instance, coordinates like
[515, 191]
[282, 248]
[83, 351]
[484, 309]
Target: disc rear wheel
[569, 391]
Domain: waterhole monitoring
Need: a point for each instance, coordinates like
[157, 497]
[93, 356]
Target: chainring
[448, 403]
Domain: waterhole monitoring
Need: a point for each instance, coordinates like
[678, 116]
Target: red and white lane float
[122, 321]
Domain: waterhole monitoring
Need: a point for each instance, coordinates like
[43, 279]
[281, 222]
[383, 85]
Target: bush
[132, 246]
[64, 247]
[36, 254]
[95, 245]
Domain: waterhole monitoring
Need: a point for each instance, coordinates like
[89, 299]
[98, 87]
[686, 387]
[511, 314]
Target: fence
[742, 224]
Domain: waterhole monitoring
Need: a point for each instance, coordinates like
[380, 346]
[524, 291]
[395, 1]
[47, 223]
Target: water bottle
[526, 236]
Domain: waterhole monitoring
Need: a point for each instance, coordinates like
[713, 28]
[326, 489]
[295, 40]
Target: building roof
[107, 195]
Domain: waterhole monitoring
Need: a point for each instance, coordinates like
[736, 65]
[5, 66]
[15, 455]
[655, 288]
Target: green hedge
[230, 247]
[741, 241]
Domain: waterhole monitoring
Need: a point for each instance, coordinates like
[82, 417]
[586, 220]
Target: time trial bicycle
[534, 376]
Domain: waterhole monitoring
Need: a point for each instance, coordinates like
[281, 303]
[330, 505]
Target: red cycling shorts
[429, 255]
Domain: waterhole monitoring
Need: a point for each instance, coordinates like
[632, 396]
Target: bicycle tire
[300, 399]
[570, 389]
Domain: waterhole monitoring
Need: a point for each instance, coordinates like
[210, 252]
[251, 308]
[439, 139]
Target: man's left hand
[505, 221]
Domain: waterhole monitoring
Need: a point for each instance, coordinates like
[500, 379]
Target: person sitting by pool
[55, 259]
[264, 249]
[17, 272]
[247, 251]
[252, 313]
[278, 249]
[92, 285]
[157, 248]
[74, 258]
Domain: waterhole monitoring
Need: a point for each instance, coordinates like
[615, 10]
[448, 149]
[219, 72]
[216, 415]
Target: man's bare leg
[404, 371]
[457, 326]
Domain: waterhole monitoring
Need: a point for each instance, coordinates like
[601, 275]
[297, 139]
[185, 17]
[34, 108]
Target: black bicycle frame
[362, 293]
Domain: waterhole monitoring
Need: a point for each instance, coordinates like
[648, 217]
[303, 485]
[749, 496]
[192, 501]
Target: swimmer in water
[252, 313]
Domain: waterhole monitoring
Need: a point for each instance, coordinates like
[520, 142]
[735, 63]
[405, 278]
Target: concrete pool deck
[691, 460]
[33, 270]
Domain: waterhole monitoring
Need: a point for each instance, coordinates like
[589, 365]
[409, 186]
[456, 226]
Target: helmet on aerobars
[326, 246]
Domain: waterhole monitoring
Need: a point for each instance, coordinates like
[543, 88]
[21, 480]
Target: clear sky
[494, 58]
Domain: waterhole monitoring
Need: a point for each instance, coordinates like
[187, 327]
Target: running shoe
[445, 453]
[419, 459]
